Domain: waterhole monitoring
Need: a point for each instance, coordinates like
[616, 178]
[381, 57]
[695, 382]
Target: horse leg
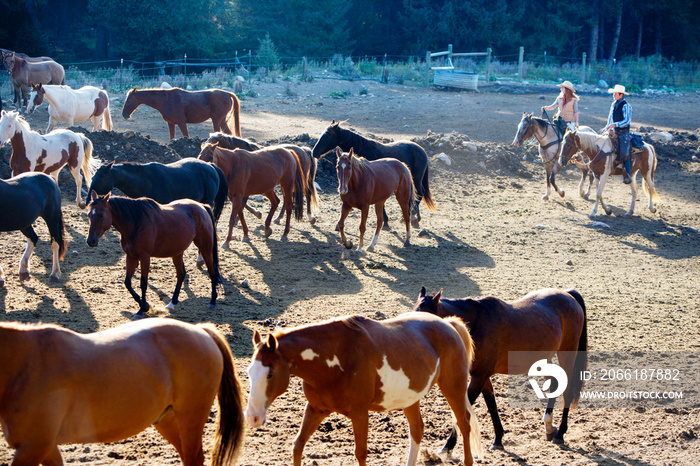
[364, 212]
[548, 420]
[253, 210]
[283, 210]
[236, 211]
[455, 391]
[274, 202]
[145, 267]
[2, 277]
[206, 245]
[179, 264]
[171, 128]
[599, 195]
[547, 168]
[183, 129]
[287, 195]
[379, 210]
[32, 239]
[344, 211]
[415, 218]
[633, 190]
[490, 399]
[415, 430]
[37, 453]
[78, 186]
[406, 211]
[556, 168]
[55, 267]
[360, 429]
[312, 419]
[184, 434]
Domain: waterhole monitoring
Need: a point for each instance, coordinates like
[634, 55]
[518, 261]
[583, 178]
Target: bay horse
[547, 320]
[362, 183]
[353, 365]
[69, 106]
[549, 147]
[23, 199]
[407, 152]
[111, 385]
[258, 172]
[179, 107]
[48, 153]
[149, 229]
[23, 72]
[3, 52]
[600, 150]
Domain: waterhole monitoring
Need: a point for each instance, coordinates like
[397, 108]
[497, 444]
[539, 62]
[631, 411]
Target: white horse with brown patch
[33, 152]
[70, 106]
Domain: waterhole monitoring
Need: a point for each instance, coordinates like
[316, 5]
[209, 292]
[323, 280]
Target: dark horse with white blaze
[407, 152]
[545, 321]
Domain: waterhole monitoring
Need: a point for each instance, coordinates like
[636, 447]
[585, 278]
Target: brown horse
[149, 229]
[179, 107]
[548, 320]
[111, 385]
[25, 72]
[258, 172]
[363, 183]
[353, 365]
[600, 150]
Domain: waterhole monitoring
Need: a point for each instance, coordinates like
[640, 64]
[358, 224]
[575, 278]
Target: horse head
[8, 61]
[8, 125]
[569, 146]
[207, 151]
[36, 96]
[427, 303]
[130, 103]
[100, 218]
[328, 140]
[102, 181]
[344, 169]
[269, 377]
[525, 129]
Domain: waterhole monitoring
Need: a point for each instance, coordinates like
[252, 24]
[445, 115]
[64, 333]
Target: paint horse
[600, 150]
[149, 229]
[549, 147]
[48, 153]
[23, 199]
[111, 385]
[407, 152]
[544, 321]
[70, 106]
[179, 107]
[353, 365]
[362, 183]
[258, 172]
[24, 71]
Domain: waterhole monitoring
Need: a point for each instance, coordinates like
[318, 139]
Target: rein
[548, 145]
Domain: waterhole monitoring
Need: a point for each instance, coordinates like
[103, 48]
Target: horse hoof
[23, 276]
[54, 278]
[268, 232]
[585, 196]
[337, 228]
[369, 249]
[415, 223]
[82, 205]
[496, 446]
[258, 214]
[284, 239]
[200, 264]
[312, 220]
[360, 252]
[591, 216]
[138, 316]
[406, 243]
[562, 194]
[348, 245]
[225, 245]
[545, 197]
[652, 210]
[211, 307]
[2, 282]
[276, 221]
[170, 306]
[608, 211]
[245, 239]
[558, 440]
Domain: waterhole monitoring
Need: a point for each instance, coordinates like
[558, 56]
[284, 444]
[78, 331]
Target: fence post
[121, 74]
[185, 71]
[488, 65]
[449, 54]
[520, 63]
[427, 69]
[583, 68]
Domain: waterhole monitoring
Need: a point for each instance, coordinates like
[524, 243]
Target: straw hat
[568, 85]
[618, 89]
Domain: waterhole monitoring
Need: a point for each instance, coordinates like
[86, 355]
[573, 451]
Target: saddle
[636, 143]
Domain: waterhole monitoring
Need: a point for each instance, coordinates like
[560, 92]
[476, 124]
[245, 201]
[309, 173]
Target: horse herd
[350, 365]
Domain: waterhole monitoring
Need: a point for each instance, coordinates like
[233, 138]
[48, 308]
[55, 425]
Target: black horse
[188, 178]
[407, 152]
[23, 199]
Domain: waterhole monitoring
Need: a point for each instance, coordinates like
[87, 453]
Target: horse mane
[594, 142]
[133, 210]
[21, 326]
[359, 163]
[21, 121]
[358, 142]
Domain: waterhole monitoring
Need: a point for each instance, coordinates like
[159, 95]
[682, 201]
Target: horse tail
[108, 118]
[427, 196]
[90, 163]
[651, 190]
[215, 247]
[581, 361]
[230, 426]
[299, 189]
[474, 431]
[234, 115]
[221, 194]
[311, 182]
[54, 220]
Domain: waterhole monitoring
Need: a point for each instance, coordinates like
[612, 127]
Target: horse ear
[423, 292]
[436, 298]
[338, 152]
[272, 342]
[93, 195]
[352, 152]
[257, 338]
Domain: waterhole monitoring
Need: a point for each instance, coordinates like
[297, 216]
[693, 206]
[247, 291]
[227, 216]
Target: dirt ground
[491, 235]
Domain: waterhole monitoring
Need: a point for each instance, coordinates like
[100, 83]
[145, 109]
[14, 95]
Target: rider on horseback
[620, 118]
[567, 107]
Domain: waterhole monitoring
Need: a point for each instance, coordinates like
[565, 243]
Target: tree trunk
[593, 48]
[640, 30]
[657, 42]
[616, 34]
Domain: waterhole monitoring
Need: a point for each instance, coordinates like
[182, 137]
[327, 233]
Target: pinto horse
[24, 71]
[258, 172]
[407, 152]
[353, 365]
[69, 106]
[111, 385]
[363, 183]
[179, 107]
[600, 150]
[547, 320]
[23, 199]
[48, 153]
[549, 147]
[149, 229]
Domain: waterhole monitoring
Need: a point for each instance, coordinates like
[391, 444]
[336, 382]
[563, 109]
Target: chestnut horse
[149, 229]
[407, 152]
[179, 107]
[24, 71]
[48, 153]
[362, 183]
[600, 150]
[23, 199]
[353, 365]
[111, 385]
[548, 320]
[549, 147]
[258, 172]
[69, 106]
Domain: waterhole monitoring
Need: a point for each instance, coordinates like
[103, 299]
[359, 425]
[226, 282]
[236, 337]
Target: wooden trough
[447, 77]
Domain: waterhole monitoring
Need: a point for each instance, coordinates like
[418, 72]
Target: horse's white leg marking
[55, 267]
[24, 261]
[650, 182]
[548, 427]
[633, 190]
[257, 401]
[170, 306]
[549, 188]
[2, 276]
[373, 243]
[413, 452]
[395, 386]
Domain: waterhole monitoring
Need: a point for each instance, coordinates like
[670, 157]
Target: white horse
[33, 152]
[69, 106]
[600, 150]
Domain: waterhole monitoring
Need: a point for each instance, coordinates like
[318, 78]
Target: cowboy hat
[568, 85]
[618, 89]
